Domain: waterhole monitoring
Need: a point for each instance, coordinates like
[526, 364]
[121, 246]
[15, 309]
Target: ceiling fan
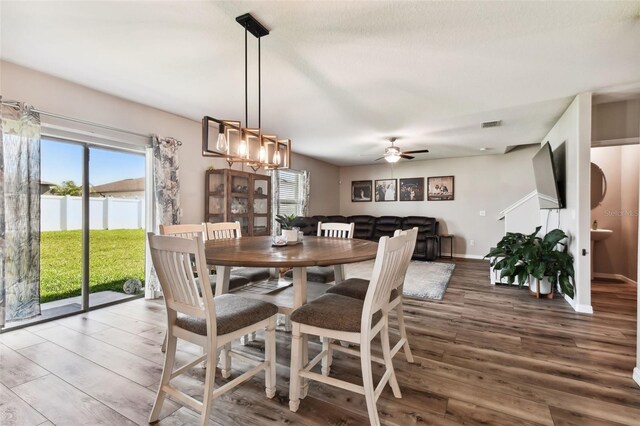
[393, 154]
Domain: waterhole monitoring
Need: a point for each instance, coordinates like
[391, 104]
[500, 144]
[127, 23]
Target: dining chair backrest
[337, 230]
[171, 258]
[386, 272]
[223, 230]
[183, 231]
[412, 235]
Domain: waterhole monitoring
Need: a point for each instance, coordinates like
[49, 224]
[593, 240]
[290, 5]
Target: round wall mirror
[598, 185]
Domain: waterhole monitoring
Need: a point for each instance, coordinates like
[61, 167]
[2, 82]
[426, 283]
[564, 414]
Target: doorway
[614, 191]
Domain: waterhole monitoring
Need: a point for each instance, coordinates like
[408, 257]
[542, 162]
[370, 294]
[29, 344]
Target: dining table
[262, 252]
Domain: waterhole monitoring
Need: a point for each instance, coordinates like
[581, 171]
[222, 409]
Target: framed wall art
[412, 189]
[361, 191]
[440, 188]
[386, 190]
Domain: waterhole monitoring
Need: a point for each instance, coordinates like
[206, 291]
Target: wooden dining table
[312, 251]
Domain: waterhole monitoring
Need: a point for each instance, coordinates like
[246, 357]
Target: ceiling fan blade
[408, 157]
[378, 159]
[419, 151]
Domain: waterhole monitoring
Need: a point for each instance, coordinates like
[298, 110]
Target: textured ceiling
[339, 77]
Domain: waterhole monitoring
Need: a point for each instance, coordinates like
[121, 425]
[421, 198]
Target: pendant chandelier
[246, 145]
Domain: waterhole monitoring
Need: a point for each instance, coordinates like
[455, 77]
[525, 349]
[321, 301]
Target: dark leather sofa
[373, 228]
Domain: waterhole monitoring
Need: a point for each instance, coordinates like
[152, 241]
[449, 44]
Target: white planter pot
[545, 285]
[290, 235]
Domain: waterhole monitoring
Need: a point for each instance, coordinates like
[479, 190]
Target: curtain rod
[13, 104]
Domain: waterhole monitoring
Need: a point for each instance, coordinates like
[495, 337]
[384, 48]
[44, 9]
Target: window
[290, 184]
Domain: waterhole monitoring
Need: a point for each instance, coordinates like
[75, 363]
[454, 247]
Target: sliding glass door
[92, 226]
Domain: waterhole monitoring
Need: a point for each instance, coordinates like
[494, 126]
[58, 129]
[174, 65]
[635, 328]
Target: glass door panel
[117, 224]
[61, 227]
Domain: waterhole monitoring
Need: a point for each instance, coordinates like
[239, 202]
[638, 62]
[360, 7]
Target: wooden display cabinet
[233, 195]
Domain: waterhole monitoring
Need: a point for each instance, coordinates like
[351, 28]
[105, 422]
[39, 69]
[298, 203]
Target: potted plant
[543, 262]
[286, 225]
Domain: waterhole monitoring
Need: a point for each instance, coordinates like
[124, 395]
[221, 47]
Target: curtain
[305, 191]
[19, 212]
[166, 192]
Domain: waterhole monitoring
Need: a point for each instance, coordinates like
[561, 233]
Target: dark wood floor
[484, 355]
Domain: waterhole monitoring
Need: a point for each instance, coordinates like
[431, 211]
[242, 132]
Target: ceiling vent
[488, 124]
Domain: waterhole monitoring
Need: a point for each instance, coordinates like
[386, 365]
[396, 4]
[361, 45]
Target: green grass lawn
[115, 256]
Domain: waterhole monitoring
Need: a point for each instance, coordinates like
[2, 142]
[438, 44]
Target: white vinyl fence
[64, 213]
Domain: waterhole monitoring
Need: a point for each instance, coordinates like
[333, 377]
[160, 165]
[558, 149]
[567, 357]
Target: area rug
[424, 280]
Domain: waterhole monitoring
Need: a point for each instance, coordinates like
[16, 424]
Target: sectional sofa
[372, 228]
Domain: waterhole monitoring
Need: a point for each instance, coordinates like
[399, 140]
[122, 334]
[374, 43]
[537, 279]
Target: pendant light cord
[259, 89]
[246, 95]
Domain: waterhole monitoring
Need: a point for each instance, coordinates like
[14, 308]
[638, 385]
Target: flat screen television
[548, 175]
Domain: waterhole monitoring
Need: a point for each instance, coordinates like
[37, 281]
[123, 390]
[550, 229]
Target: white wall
[636, 371]
[59, 96]
[325, 178]
[489, 183]
[574, 130]
[616, 120]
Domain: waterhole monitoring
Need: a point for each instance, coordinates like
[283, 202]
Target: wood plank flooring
[484, 355]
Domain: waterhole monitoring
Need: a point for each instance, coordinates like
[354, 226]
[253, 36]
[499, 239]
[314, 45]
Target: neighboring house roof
[44, 182]
[126, 185]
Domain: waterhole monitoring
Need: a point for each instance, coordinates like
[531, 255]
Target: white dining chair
[223, 230]
[337, 230]
[338, 317]
[357, 288]
[186, 230]
[194, 315]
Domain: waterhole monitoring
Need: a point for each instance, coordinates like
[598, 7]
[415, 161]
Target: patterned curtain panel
[19, 213]
[305, 191]
[166, 191]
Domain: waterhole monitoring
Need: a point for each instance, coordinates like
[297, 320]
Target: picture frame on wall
[412, 189]
[440, 188]
[386, 190]
[361, 191]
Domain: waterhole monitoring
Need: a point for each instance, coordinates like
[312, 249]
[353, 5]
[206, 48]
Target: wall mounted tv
[548, 168]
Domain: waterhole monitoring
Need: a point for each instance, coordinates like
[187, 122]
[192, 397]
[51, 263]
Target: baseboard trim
[468, 256]
[636, 375]
[584, 309]
[614, 277]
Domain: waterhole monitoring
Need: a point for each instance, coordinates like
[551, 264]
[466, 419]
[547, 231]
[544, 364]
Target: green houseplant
[530, 257]
[286, 221]
[286, 225]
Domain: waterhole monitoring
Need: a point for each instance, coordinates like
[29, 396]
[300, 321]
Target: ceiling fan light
[393, 158]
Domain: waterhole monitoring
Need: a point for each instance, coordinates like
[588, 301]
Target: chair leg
[296, 366]
[225, 360]
[367, 380]
[209, 382]
[327, 360]
[169, 360]
[304, 383]
[403, 332]
[388, 362]
[270, 357]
